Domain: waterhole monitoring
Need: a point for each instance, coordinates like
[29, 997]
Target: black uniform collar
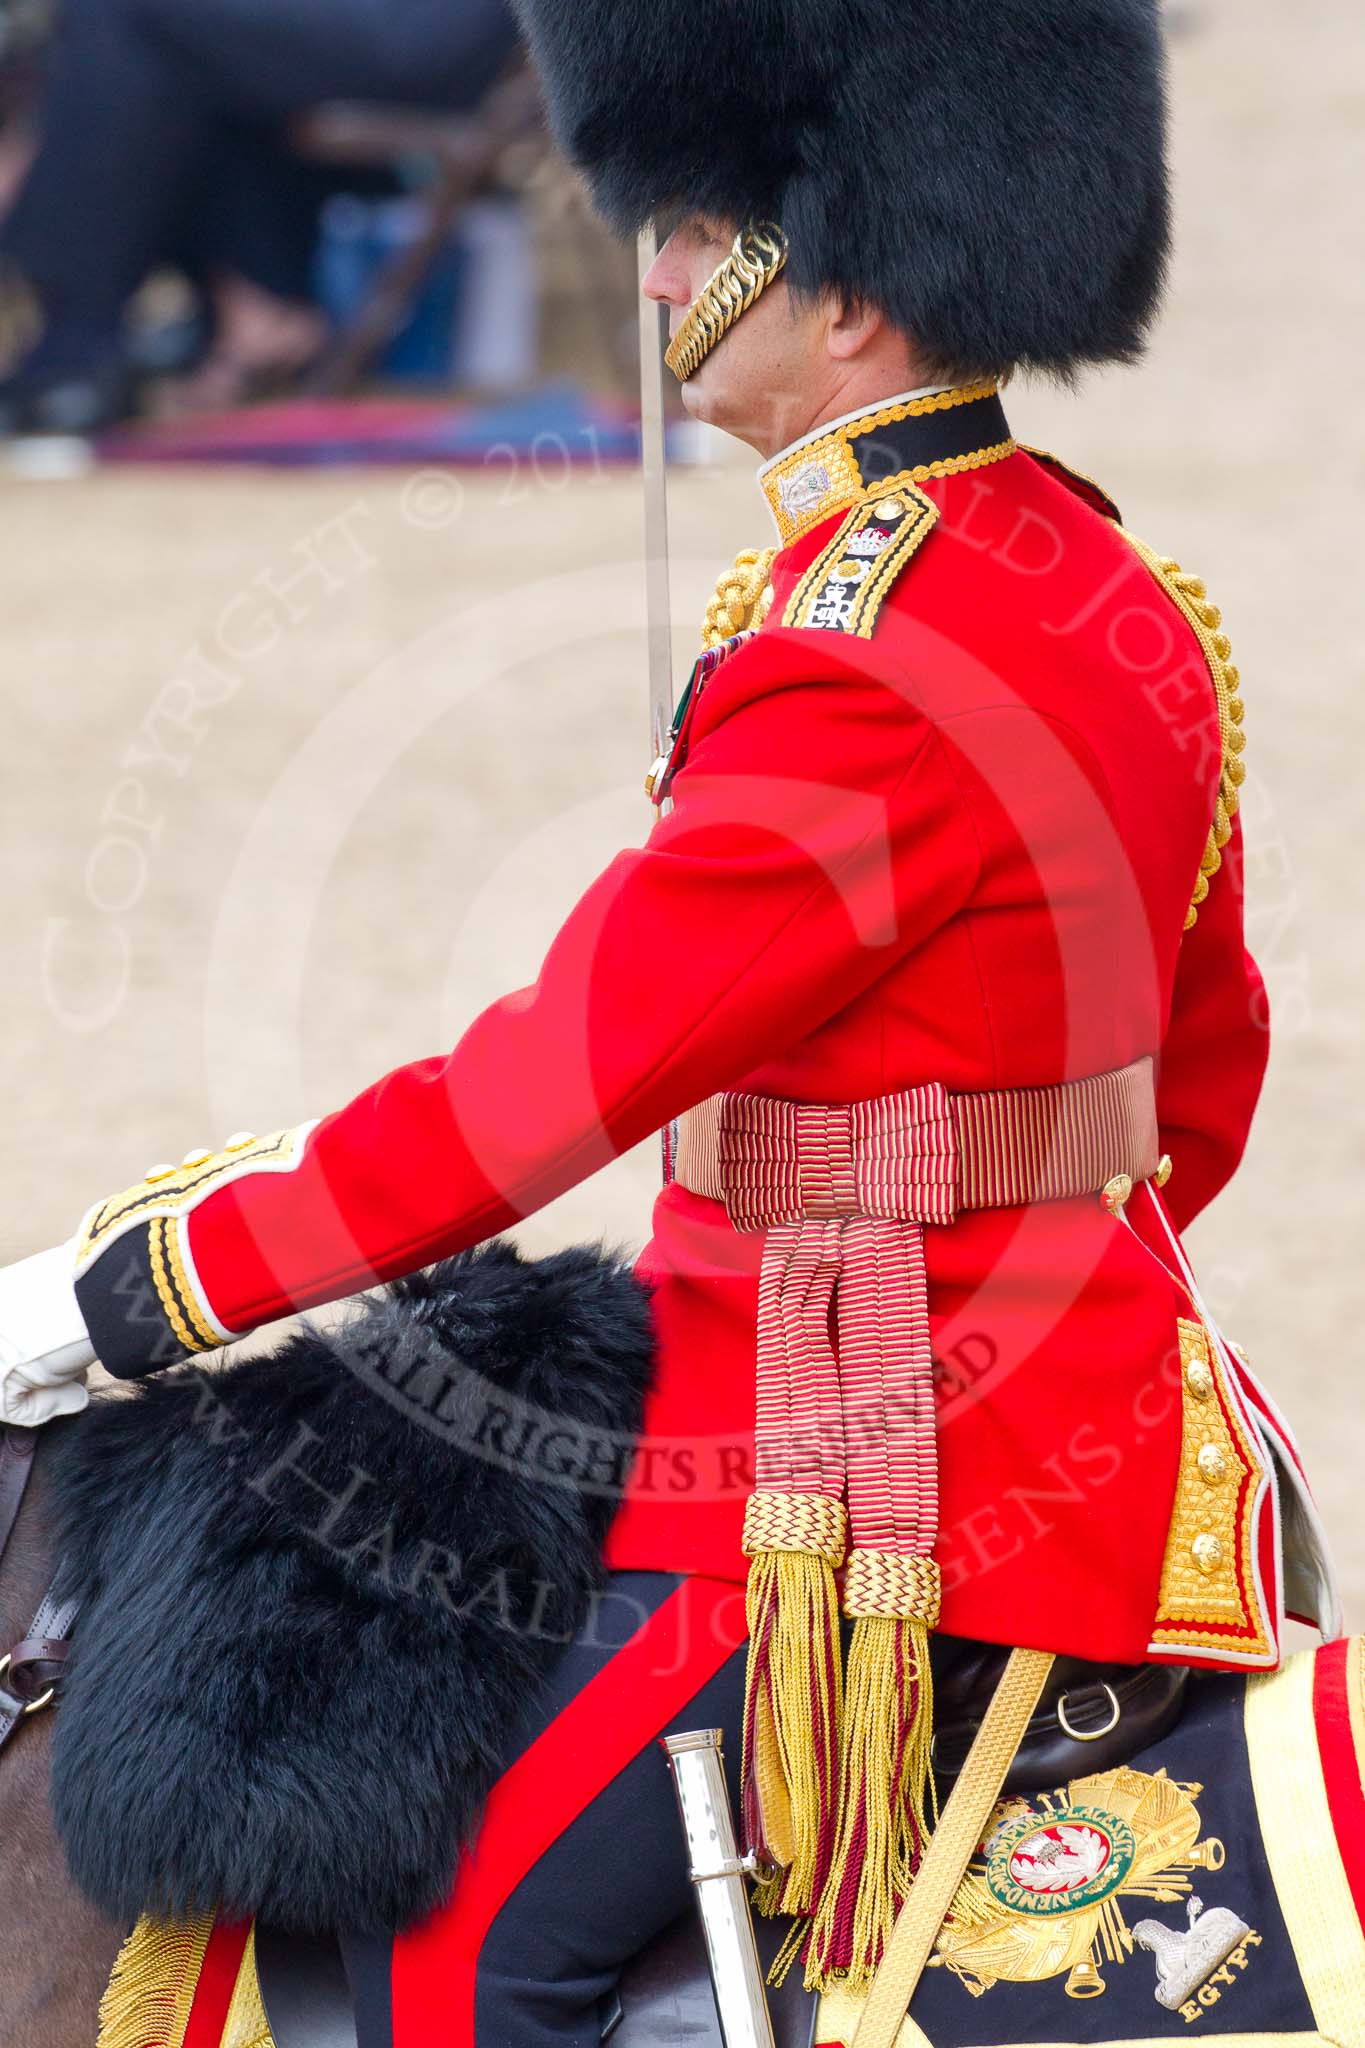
[908, 440]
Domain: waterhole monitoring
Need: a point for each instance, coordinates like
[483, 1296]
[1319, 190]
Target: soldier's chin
[717, 399]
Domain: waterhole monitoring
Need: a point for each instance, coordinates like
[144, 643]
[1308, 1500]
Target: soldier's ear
[850, 325]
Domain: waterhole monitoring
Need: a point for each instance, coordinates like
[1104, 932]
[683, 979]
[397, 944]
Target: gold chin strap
[759, 255]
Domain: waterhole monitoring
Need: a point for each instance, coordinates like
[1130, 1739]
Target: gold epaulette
[743, 598]
[1189, 593]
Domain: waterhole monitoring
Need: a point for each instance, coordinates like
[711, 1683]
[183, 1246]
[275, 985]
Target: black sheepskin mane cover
[990, 173]
[293, 1689]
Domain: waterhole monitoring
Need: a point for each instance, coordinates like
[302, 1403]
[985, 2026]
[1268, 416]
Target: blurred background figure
[165, 132]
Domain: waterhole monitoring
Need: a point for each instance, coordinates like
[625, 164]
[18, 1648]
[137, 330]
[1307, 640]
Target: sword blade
[658, 599]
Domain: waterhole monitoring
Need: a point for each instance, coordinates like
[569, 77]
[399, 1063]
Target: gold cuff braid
[759, 255]
[881, 1582]
[796, 1521]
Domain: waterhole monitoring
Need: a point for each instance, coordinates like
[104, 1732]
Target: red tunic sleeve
[817, 835]
[1213, 1058]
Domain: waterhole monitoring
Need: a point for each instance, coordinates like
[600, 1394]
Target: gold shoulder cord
[1189, 593]
[744, 597]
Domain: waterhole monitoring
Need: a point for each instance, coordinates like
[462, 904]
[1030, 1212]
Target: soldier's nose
[666, 280]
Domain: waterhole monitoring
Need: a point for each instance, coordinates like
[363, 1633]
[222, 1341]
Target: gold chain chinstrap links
[758, 256]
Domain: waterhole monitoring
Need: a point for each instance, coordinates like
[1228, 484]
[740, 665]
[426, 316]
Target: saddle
[1091, 1717]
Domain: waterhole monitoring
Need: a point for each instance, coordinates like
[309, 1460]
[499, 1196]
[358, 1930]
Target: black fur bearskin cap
[990, 173]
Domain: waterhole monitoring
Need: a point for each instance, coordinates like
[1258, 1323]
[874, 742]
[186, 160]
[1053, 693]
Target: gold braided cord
[758, 256]
[880, 1582]
[961, 1826]
[947, 465]
[918, 408]
[1190, 594]
[796, 1521]
[744, 597]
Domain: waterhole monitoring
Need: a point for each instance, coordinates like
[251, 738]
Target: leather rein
[31, 1671]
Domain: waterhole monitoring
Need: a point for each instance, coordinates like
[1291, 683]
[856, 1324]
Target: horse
[1139, 1748]
[56, 1950]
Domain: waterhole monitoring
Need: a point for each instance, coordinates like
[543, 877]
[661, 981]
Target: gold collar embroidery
[910, 440]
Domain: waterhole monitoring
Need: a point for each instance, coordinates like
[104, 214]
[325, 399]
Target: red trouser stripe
[649, 1680]
[217, 1981]
[1341, 1761]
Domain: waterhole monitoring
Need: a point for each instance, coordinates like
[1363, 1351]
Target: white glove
[45, 1349]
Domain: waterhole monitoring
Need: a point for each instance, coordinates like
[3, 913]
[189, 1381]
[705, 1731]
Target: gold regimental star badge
[1045, 1896]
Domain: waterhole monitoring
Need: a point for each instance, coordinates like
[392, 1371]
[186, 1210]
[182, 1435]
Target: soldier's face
[768, 376]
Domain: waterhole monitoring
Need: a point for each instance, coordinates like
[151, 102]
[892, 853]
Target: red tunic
[961, 850]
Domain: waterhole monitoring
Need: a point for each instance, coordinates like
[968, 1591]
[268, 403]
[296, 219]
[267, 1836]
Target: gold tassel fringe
[885, 1798]
[151, 1989]
[792, 1720]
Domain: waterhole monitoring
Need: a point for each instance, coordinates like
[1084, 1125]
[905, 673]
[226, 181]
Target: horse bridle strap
[31, 1672]
[17, 1446]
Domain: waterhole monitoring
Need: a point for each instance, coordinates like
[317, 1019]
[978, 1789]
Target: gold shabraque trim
[759, 255]
[839, 2016]
[743, 597]
[841, 2010]
[246, 2025]
[151, 1990]
[172, 1191]
[829, 597]
[1189, 593]
[1301, 1849]
[1208, 1576]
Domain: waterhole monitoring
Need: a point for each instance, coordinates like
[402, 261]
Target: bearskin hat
[990, 173]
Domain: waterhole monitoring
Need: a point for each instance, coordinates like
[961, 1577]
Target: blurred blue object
[359, 238]
[472, 323]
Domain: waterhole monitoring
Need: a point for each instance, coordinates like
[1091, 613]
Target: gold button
[1207, 1552]
[238, 1140]
[890, 508]
[1164, 1169]
[199, 1157]
[1199, 1378]
[1116, 1192]
[1213, 1463]
[162, 1172]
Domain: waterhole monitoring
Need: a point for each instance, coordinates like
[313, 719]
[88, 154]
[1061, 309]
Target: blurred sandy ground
[418, 729]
